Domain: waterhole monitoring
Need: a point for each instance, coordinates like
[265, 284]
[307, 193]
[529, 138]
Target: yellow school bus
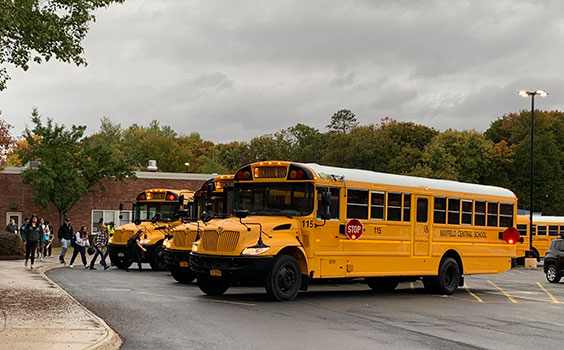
[295, 222]
[156, 212]
[212, 201]
[545, 229]
[522, 245]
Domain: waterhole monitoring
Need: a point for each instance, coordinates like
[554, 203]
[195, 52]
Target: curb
[112, 340]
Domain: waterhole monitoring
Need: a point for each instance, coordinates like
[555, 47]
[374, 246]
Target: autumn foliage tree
[6, 141]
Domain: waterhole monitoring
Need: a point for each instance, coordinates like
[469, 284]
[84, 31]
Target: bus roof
[548, 219]
[404, 180]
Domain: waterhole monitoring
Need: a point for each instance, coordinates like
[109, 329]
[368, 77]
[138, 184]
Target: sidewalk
[35, 313]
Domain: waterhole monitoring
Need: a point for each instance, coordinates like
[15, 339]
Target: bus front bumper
[119, 250]
[176, 258]
[235, 267]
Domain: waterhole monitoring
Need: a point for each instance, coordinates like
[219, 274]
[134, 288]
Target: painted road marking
[504, 292]
[199, 299]
[472, 294]
[554, 300]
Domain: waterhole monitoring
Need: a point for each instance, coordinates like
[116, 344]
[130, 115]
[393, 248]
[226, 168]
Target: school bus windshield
[147, 211]
[282, 198]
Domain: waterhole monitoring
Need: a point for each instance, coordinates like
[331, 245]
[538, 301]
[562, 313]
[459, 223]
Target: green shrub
[11, 245]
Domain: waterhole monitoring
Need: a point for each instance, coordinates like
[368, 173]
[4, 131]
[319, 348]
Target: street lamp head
[523, 93]
[526, 93]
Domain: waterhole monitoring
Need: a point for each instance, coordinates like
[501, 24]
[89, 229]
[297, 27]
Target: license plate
[121, 255]
[215, 273]
[184, 264]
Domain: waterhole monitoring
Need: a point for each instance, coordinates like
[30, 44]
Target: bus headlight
[194, 247]
[254, 250]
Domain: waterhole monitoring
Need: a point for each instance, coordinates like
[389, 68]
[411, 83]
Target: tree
[69, 164]
[6, 141]
[39, 30]
[343, 121]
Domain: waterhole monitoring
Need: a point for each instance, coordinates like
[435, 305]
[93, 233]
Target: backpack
[73, 239]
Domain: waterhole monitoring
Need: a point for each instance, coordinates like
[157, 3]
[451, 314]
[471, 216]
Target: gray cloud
[235, 70]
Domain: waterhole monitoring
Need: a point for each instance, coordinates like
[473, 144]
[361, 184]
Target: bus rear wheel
[212, 285]
[182, 274]
[121, 263]
[448, 279]
[157, 259]
[382, 284]
[283, 280]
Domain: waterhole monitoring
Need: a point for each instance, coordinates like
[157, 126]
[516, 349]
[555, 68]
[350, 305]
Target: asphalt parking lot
[515, 309]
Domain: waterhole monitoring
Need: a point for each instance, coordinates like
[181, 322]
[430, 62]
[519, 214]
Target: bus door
[328, 231]
[421, 238]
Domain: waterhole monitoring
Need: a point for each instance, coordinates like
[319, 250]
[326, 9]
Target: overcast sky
[233, 70]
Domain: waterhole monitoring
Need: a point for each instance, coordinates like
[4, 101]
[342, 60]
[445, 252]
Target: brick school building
[16, 198]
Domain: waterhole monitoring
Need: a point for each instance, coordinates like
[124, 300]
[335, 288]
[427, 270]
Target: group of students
[37, 235]
[79, 241]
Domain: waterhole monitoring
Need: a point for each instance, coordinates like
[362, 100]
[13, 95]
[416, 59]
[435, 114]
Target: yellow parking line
[504, 292]
[472, 294]
[554, 300]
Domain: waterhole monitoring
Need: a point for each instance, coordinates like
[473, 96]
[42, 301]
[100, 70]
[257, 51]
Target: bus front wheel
[212, 285]
[284, 279]
[382, 284]
[448, 279]
[121, 263]
[182, 275]
[156, 260]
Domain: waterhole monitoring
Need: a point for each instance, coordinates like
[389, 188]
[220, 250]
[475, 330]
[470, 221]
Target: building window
[439, 214]
[377, 205]
[108, 216]
[466, 212]
[357, 204]
[394, 207]
[506, 215]
[454, 211]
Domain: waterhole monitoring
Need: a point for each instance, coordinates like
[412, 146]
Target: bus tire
[449, 276]
[157, 259]
[182, 275]
[212, 285]
[382, 284]
[120, 263]
[283, 280]
[536, 254]
[552, 274]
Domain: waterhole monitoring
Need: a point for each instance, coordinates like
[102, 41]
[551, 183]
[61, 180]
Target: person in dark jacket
[32, 236]
[12, 227]
[65, 237]
[135, 250]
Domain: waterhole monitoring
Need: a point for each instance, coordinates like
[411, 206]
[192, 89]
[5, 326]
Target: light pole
[526, 93]
[187, 165]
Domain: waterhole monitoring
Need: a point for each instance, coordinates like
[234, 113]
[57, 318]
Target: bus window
[394, 206]
[439, 215]
[335, 199]
[553, 230]
[541, 230]
[422, 205]
[454, 211]
[466, 212]
[506, 215]
[492, 213]
[377, 205]
[561, 229]
[522, 229]
[357, 204]
[406, 207]
[480, 213]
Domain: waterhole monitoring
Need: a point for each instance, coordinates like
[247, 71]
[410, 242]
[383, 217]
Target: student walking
[135, 249]
[79, 246]
[47, 239]
[12, 227]
[32, 236]
[100, 242]
[65, 236]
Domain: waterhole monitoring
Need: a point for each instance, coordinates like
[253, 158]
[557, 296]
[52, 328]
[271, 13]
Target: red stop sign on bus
[354, 229]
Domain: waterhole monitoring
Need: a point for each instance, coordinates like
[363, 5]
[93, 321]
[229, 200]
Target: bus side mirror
[137, 222]
[120, 216]
[325, 205]
[211, 189]
[205, 217]
[121, 207]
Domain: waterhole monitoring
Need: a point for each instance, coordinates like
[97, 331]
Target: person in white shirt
[80, 246]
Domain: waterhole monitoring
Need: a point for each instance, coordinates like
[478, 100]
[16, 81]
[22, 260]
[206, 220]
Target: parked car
[554, 261]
